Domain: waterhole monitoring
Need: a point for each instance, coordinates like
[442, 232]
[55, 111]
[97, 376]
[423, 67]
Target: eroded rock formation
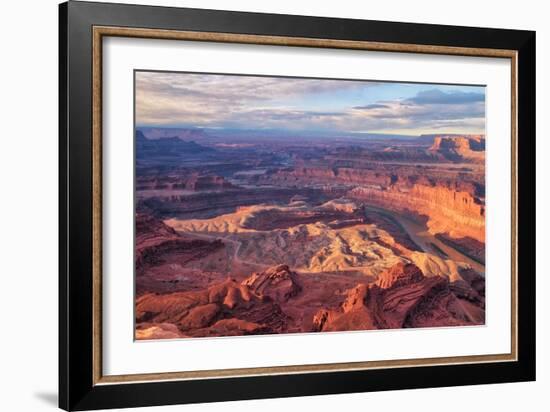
[277, 283]
[401, 298]
[155, 240]
[460, 148]
[228, 307]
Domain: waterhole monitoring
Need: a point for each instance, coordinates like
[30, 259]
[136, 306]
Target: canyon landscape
[268, 205]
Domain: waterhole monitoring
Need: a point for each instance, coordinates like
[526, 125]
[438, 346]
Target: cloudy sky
[252, 102]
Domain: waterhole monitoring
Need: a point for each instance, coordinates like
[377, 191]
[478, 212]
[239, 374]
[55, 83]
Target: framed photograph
[257, 205]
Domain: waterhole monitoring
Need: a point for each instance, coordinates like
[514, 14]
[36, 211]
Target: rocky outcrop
[460, 148]
[401, 298]
[278, 283]
[228, 307]
[155, 240]
[399, 275]
[353, 314]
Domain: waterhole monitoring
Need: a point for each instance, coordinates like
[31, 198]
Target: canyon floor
[317, 235]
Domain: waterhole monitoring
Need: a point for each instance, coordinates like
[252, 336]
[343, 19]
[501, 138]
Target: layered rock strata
[402, 297]
[154, 240]
[458, 213]
[460, 148]
[225, 308]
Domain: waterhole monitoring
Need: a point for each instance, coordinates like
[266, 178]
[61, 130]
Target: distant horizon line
[326, 132]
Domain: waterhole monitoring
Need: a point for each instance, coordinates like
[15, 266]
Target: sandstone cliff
[401, 298]
[460, 148]
[457, 213]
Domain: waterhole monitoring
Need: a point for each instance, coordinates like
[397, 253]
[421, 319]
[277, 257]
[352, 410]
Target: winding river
[428, 242]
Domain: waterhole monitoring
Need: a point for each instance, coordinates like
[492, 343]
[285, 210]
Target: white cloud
[253, 101]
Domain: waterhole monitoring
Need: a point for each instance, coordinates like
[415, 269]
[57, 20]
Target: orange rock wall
[455, 212]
